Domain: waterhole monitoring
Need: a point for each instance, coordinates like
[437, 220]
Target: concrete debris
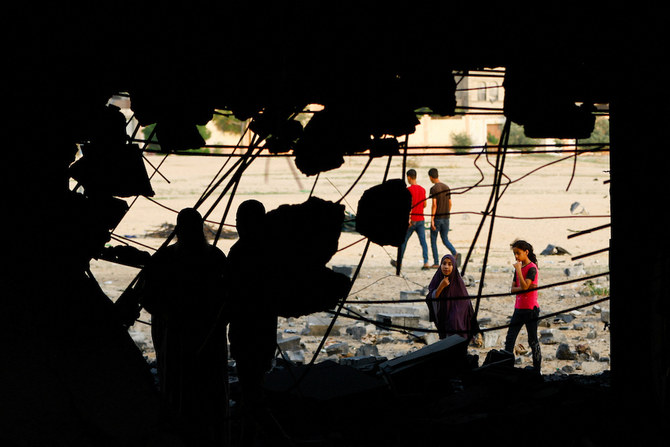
[491, 339]
[426, 338]
[417, 309]
[357, 332]
[554, 250]
[344, 269]
[499, 357]
[551, 337]
[575, 270]
[289, 343]
[577, 208]
[432, 363]
[605, 316]
[413, 294]
[564, 318]
[563, 352]
[318, 325]
[326, 381]
[340, 348]
[362, 362]
[297, 357]
[568, 369]
[407, 320]
[367, 351]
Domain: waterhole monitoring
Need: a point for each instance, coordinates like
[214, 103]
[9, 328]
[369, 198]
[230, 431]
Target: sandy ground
[543, 186]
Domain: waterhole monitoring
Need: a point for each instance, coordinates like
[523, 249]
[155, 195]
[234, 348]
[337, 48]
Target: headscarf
[450, 314]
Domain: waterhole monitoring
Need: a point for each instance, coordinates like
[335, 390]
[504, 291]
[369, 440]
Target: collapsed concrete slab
[420, 310]
[318, 325]
[433, 363]
[413, 294]
[325, 381]
[398, 319]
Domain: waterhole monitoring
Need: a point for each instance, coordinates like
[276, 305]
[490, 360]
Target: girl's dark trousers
[529, 318]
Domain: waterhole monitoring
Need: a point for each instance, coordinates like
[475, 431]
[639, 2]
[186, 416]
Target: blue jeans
[441, 227]
[421, 233]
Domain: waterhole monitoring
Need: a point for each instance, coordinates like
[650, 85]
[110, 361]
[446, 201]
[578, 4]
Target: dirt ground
[545, 203]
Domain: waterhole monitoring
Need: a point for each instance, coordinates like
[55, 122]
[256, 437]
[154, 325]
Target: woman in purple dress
[451, 313]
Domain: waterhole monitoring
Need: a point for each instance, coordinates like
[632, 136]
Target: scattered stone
[568, 369]
[318, 325]
[469, 281]
[297, 357]
[413, 294]
[367, 351]
[577, 208]
[344, 269]
[575, 270]
[605, 316]
[550, 337]
[289, 343]
[563, 352]
[491, 339]
[419, 310]
[357, 332]
[406, 320]
[578, 327]
[592, 334]
[554, 250]
[583, 357]
[360, 362]
[425, 337]
[369, 338]
[337, 349]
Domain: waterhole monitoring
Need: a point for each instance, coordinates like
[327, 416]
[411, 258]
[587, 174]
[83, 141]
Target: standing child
[526, 307]
[451, 313]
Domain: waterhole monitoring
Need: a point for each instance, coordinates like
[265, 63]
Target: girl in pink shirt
[526, 307]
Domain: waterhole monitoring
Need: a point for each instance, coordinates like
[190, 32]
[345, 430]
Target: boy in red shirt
[416, 220]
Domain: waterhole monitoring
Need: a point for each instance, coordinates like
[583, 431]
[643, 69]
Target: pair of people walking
[440, 210]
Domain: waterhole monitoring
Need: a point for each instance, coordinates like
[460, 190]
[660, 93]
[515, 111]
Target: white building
[481, 95]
